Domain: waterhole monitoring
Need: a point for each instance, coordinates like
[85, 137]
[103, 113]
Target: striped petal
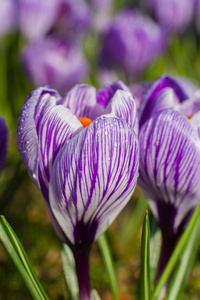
[191, 106]
[105, 94]
[124, 106]
[151, 100]
[93, 178]
[81, 101]
[27, 139]
[55, 126]
[170, 167]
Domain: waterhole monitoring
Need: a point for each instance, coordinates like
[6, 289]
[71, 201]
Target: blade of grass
[155, 243]
[70, 272]
[19, 257]
[108, 261]
[177, 252]
[177, 283]
[145, 280]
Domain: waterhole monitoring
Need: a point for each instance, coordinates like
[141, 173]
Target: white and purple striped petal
[124, 106]
[170, 167]
[114, 100]
[81, 101]
[165, 92]
[27, 139]
[93, 178]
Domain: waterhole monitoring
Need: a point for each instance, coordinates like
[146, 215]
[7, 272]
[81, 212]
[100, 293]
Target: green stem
[176, 254]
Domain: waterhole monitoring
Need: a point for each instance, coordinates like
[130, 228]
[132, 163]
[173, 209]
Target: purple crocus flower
[170, 158]
[55, 62]
[37, 18]
[86, 175]
[74, 17]
[172, 15]
[131, 42]
[3, 142]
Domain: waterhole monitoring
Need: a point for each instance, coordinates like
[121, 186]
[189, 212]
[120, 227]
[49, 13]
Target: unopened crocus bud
[132, 42]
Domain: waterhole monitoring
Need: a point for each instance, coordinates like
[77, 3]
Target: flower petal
[170, 165]
[27, 139]
[124, 106]
[81, 100]
[191, 106]
[93, 178]
[152, 98]
[105, 94]
[55, 126]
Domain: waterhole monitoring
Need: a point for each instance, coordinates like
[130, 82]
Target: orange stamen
[189, 117]
[85, 121]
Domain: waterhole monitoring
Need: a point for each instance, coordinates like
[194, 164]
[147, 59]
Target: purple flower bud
[54, 62]
[131, 42]
[172, 15]
[86, 175]
[3, 142]
[170, 157]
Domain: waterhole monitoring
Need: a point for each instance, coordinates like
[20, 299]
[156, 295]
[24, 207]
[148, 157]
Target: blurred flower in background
[7, 16]
[172, 15]
[132, 42]
[55, 62]
[3, 142]
[102, 13]
[36, 17]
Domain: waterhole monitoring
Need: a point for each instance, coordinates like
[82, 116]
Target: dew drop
[34, 176]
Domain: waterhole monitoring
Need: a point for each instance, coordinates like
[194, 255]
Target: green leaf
[108, 261]
[155, 244]
[177, 252]
[145, 280]
[19, 257]
[177, 283]
[70, 272]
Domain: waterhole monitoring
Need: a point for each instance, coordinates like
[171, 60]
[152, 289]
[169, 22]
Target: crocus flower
[170, 158]
[36, 17]
[131, 42]
[82, 153]
[172, 15]
[3, 142]
[74, 17]
[55, 62]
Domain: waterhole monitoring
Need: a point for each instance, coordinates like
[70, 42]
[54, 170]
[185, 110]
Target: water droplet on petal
[34, 176]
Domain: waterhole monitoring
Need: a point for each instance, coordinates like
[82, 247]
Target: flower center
[189, 117]
[85, 121]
